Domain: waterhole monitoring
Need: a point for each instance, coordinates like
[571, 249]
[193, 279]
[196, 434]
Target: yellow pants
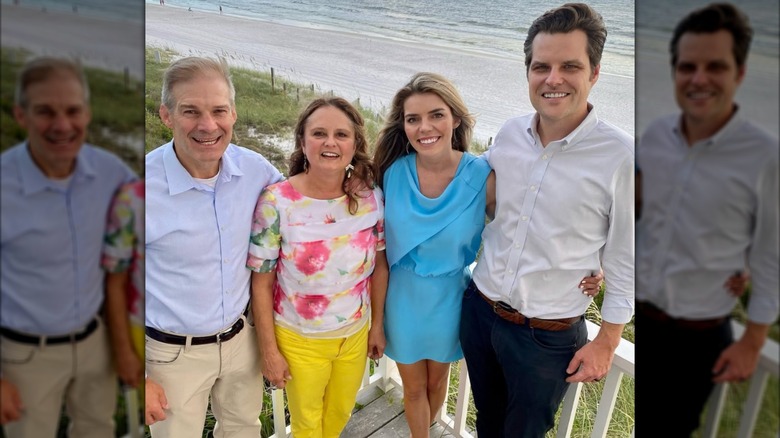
[137, 337]
[326, 376]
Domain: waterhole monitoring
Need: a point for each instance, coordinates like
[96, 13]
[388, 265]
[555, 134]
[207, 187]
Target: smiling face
[706, 77]
[560, 78]
[328, 140]
[202, 122]
[56, 117]
[428, 124]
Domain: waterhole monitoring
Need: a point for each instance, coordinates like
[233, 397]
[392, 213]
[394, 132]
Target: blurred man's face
[56, 119]
[706, 76]
[560, 77]
[202, 123]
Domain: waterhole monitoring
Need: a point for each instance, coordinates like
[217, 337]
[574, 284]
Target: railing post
[714, 410]
[752, 405]
[609, 395]
[569, 410]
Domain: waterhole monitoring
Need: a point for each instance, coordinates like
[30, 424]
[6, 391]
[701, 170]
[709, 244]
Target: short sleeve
[265, 238]
[380, 223]
[119, 240]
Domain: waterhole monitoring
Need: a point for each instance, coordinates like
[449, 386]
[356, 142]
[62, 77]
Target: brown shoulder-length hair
[363, 175]
[392, 143]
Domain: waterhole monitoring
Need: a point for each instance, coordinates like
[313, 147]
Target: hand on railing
[155, 404]
[275, 369]
[376, 341]
[11, 403]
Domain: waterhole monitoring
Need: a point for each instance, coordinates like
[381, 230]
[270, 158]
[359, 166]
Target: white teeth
[207, 142]
[553, 95]
[429, 140]
[58, 141]
[330, 154]
[699, 95]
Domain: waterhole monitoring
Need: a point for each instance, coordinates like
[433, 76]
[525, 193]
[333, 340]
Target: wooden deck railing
[385, 377]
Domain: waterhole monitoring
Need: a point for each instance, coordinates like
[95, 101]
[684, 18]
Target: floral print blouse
[323, 255]
[123, 245]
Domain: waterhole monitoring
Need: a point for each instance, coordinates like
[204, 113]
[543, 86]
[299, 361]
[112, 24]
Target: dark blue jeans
[517, 372]
[674, 365]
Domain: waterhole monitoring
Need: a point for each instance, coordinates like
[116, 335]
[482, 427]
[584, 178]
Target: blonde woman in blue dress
[436, 198]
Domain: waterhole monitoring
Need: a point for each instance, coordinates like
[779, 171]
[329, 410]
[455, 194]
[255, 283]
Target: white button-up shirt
[563, 212]
[707, 210]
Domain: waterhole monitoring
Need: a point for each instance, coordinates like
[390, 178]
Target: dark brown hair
[363, 174]
[565, 19]
[712, 18]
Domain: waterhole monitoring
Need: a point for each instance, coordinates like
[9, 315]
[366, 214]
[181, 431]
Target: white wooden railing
[768, 365]
[386, 377]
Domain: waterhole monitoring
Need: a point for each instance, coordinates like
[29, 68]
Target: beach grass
[115, 99]
[273, 112]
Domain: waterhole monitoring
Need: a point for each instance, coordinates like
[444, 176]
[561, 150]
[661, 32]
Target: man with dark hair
[709, 194]
[565, 209]
[56, 191]
[201, 191]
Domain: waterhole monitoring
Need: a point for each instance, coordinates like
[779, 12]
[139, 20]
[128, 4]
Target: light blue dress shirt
[52, 240]
[563, 211]
[197, 239]
[708, 210]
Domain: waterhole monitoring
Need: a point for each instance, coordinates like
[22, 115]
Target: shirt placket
[676, 198]
[538, 172]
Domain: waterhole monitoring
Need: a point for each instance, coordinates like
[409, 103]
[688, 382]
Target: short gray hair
[42, 68]
[185, 69]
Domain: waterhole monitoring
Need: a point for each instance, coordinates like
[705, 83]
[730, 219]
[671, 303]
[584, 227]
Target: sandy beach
[369, 67]
[103, 43]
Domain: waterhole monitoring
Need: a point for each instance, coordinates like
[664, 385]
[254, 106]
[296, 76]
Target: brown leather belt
[650, 311]
[506, 312]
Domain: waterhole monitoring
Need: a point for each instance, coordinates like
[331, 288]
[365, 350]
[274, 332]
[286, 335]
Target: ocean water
[496, 27]
[764, 16]
[120, 10]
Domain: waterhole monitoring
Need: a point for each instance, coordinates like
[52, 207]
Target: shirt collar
[732, 125]
[179, 180]
[33, 178]
[581, 131]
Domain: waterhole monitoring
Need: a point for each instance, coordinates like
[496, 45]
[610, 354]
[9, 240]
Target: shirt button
[544, 157]
[511, 271]
[517, 245]
[226, 260]
[533, 188]
[524, 218]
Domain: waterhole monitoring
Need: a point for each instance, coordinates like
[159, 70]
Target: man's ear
[20, 116]
[595, 76]
[165, 115]
[741, 70]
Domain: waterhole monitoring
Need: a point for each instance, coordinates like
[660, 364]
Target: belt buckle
[503, 306]
[225, 333]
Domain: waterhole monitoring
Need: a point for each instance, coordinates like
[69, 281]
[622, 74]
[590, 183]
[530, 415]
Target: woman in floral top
[317, 255]
[123, 260]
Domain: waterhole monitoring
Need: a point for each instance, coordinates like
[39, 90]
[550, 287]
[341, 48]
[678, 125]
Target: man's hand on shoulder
[156, 403]
[10, 402]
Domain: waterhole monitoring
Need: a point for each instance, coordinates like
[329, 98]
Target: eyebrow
[184, 106]
[566, 62]
[435, 110]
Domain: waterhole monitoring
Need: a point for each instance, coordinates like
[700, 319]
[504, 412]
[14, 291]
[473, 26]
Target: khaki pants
[229, 372]
[80, 374]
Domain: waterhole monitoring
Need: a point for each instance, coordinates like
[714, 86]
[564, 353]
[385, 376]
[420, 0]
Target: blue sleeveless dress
[430, 244]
